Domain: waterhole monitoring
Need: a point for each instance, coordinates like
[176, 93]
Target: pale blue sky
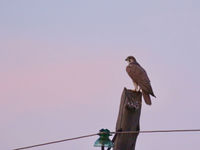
[60, 58]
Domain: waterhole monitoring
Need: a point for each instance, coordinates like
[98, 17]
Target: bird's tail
[146, 97]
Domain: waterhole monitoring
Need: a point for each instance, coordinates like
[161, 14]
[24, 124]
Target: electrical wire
[118, 132]
[54, 142]
[155, 131]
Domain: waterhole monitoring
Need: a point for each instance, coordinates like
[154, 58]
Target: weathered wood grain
[128, 120]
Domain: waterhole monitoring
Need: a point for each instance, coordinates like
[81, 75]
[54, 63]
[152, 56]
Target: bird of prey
[140, 79]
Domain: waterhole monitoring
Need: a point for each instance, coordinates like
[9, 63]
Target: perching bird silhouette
[140, 79]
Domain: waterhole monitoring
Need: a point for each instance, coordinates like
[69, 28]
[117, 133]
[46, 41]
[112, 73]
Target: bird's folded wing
[139, 75]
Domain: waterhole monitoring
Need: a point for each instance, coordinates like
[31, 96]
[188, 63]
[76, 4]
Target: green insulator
[103, 140]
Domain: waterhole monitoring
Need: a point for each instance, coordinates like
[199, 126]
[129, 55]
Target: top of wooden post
[128, 119]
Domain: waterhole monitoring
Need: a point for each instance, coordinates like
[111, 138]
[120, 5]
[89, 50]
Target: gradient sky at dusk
[63, 70]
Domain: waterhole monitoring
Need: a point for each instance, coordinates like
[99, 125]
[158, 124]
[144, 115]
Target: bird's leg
[140, 90]
[136, 86]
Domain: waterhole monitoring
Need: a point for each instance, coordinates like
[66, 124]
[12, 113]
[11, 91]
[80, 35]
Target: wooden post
[128, 120]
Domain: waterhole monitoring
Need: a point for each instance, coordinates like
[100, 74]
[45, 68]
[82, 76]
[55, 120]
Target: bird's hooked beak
[126, 59]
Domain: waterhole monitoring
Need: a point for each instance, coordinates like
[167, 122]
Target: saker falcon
[140, 79]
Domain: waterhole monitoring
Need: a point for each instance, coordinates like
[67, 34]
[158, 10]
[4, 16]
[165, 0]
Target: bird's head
[130, 59]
